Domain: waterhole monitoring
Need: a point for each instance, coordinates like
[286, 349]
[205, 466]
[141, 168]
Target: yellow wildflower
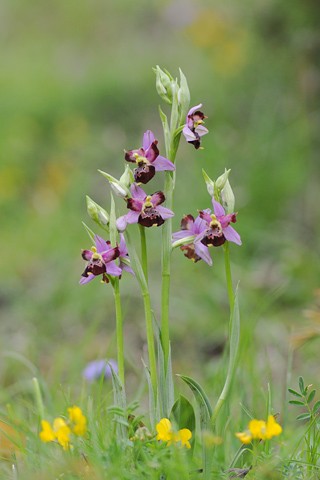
[272, 429]
[245, 437]
[260, 430]
[47, 434]
[62, 432]
[78, 420]
[256, 427]
[165, 433]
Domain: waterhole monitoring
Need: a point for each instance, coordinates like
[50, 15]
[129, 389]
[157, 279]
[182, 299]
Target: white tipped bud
[227, 197]
[127, 177]
[118, 190]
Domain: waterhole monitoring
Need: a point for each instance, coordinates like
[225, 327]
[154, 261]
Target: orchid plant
[114, 253]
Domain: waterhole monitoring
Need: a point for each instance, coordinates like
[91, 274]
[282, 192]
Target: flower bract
[100, 261]
[194, 130]
[148, 159]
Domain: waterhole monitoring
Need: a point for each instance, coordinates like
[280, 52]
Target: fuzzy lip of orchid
[218, 227]
[144, 209]
[195, 250]
[100, 261]
[148, 159]
[194, 130]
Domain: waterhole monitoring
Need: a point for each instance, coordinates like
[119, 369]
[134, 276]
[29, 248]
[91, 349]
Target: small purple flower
[218, 227]
[100, 261]
[194, 129]
[148, 159]
[95, 369]
[196, 250]
[144, 209]
[123, 253]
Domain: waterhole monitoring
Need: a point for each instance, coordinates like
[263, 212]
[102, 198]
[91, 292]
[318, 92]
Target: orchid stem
[144, 253]
[228, 276]
[119, 323]
[138, 270]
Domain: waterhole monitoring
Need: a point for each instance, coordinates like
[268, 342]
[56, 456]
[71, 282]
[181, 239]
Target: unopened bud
[227, 197]
[221, 181]
[210, 183]
[119, 188]
[183, 97]
[97, 213]
[127, 177]
[163, 84]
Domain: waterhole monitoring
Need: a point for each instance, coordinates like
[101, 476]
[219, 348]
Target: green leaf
[294, 392]
[135, 263]
[183, 414]
[162, 375]
[89, 232]
[119, 398]
[112, 223]
[304, 416]
[165, 127]
[301, 385]
[152, 407]
[316, 407]
[178, 131]
[296, 402]
[205, 422]
[311, 396]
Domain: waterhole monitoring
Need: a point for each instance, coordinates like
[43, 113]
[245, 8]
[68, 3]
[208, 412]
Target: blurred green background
[77, 87]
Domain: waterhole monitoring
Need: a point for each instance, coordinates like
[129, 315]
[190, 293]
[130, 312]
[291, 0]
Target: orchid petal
[163, 164]
[190, 136]
[152, 153]
[122, 247]
[231, 235]
[121, 223]
[113, 269]
[165, 212]
[181, 234]
[201, 130]
[126, 268]
[218, 208]
[148, 138]
[134, 204]
[157, 198]
[203, 252]
[137, 192]
[84, 280]
[110, 254]
[132, 217]
[87, 255]
[193, 109]
[101, 244]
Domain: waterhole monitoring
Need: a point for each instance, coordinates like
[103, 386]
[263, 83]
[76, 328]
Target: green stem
[138, 270]
[120, 355]
[150, 341]
[166, 270]
[228, 277]
[144, 253]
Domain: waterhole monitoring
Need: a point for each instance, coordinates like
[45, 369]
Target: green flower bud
[221, 181]
[127, 177]
[227, 197]
[210, 183]
[120, 188]
[183, 97]
[97, 213]
[163, 84]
